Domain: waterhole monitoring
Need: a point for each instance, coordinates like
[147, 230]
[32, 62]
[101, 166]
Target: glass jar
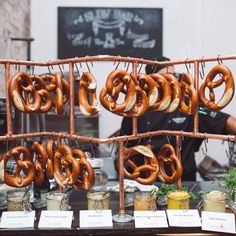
[18, 201]
[98, 200]
[57, 201]
[214, 201]
[178, 200]
[144, 201]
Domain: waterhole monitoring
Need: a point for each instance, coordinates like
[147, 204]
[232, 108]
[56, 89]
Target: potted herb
[229, 183]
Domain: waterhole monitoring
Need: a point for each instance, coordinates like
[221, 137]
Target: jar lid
[55, 195]
[178, 195]
[98, 195]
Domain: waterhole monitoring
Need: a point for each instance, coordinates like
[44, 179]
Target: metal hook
[32, 70]
[167, 68]
[128, 64]
[77, 69]
[112, 149]
[118, 62]
[150, 138]
[187, 65]
[49, 70]
[140, 138]
[219, 60]
[61, 70]
[126, 142]
[202, 73]
[168, 139]
[140, 66]
[91, 146]
[87, 64]
[205, 145]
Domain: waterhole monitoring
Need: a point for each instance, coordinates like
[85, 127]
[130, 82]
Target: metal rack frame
[136, 62]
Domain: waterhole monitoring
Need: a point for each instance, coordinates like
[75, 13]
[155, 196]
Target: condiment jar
[18, 201]
[144, 201]
[98, 200]
[214, 201]
[57, 201]
[178, 200]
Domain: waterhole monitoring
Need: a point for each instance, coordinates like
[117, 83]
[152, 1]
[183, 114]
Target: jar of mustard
[178, 200]
[144, 201]
[214, 201]
[18, 201]
[98, 200]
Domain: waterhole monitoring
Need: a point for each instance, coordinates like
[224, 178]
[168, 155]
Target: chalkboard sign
[134, 32]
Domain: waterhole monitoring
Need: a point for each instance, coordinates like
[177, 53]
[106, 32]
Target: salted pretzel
[86, 92]
[86, 177]
[188, 93]
[167, 156]
[175, 92]
[227, 77]
[118, 81]
[164, 93]
[24, 172]
[140, 106]
[46, 99]
[63, 158]
[21, 90]
[150, 166]
[148, 84]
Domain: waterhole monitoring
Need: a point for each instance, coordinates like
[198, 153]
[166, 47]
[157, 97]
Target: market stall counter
[78, 201]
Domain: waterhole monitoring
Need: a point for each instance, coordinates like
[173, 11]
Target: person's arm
[231, 125]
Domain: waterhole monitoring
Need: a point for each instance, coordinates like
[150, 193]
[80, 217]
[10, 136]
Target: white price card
[150, 219]
[55, 219]
[17, 219]
[184, 218]
[95, 219]
[219, 222]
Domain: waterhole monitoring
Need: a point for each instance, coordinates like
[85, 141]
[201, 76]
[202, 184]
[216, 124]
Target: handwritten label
[55, 219]
[150, 219]
[184, 218]
[93, 218]
[17, 219]
[219, 222]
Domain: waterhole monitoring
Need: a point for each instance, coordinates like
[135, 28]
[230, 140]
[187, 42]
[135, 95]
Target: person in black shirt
[209, 122]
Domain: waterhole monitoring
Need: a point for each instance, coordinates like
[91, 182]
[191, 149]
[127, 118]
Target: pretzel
[63, 158]
[59, 99]
[46, 99]
[23, 163]
[147, 83]
[21, 89]
[87, 88]
[50, 150]
[175, 92]
[40, 160]
[164, 93]
[118, 81]
[86, 177]
[227, 77]
[167, 156]
[188, 91]
[150, 166]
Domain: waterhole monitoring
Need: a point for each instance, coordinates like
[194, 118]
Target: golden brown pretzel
[23, 163]
[86, 177]
[50, 150]
[140, 106]
[46, 99]
[148, 84]
[175, 92]
[167, 156]
[87, 89]
[63, 158]
[226, 77]
[188, 92]
[21, 89]
[40, 161]
[164, 93]
[59, 99]
[150, 166]
[117, 82]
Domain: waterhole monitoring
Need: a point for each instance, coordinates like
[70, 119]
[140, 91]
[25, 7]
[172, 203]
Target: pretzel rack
[136, 64]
